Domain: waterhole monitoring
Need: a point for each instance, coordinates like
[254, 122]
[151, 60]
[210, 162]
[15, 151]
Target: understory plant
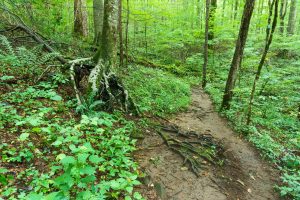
[63, 159]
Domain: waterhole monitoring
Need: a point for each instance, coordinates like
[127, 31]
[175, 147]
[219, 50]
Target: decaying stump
[103, 84]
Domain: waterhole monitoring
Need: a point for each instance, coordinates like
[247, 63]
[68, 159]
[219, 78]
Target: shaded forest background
[158, 50]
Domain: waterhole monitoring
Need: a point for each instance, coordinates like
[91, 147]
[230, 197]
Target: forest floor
[243, 176]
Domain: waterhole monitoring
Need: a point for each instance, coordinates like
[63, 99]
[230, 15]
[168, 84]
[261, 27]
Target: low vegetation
[55, 146]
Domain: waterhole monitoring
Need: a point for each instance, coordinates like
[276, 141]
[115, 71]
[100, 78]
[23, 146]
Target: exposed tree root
[114, 95]
[73, 77]
[108, 88]
[196, 149]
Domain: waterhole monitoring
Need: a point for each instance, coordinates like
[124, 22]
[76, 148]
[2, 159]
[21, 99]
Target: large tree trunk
[238, 54]
[126, 32]
[223, 11]
[283, 9]
[198, 12]
[269, 36]
[80, 18]
[104, 83]
[236, 5]
[292, 18]
[204, 69]
[212, 15]
[120, 29]
[98, 10]
[107, 47]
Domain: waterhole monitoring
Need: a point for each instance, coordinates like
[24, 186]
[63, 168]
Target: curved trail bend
[245, 176]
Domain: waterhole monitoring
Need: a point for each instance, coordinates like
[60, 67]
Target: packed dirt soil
[243, 176]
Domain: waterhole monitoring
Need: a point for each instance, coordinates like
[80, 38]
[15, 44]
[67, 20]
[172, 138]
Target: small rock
[184, 168]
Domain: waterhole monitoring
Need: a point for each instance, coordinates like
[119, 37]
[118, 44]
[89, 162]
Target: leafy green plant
[157, 91]
[4, 177]
[85, 159]
[21, 58]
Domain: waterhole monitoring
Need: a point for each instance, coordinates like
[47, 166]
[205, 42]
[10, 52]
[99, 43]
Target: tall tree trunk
[98, 10]
[223, 11]
[260, 8]
[236, 5]
[127, 29]
[212, 15]
[283, 9]
[269, 36]
[198, 8]
[292, 18]
[80, 18]
[206, 45]
[107, 51]
[104, 83]
[120, 30]
[238, 54]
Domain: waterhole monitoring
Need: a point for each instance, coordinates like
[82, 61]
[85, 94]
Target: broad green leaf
[129, 189]
[89, 170]
[114, 184]
[3, 170]
[5, 78]
[88, 179]
[24, 136]
[56, 98]
[87, 147]
[60, 156]
[34, 196]
[96, 159]
[34, 121]
[68, 160]
[82, 157]
[137, 196]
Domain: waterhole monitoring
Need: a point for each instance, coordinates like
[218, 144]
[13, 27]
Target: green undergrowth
[156, 91]
[275, 129]
[47, 152]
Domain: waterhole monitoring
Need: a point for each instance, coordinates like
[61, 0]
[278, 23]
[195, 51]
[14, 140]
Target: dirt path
[244, 177]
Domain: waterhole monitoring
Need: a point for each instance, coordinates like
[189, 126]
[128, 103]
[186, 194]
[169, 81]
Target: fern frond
[7, 45]
[37, 50]
[48, 57]
[25, 56]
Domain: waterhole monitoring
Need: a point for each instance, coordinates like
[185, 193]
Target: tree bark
[223, 11]
[283, 9]
[198, 12]
[212, 15]
[204, 69]
[236, 5]
[107, 47]
[292, 18]
[98, 10]
[269, 36]
[126, 34]
[105, 85]
[238, 54]
[120, 30]
[80, 18]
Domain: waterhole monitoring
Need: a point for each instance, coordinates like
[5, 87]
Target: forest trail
[245, 176]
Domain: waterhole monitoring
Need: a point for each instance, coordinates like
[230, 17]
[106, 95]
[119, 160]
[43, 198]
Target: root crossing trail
[245, 176]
